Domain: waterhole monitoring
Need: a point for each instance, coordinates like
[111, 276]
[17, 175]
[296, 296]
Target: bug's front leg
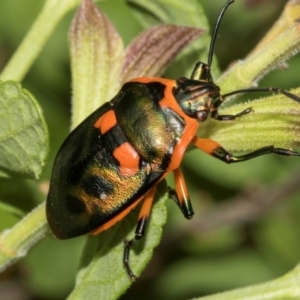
[220, 100]
[218, 117]
[140, 229]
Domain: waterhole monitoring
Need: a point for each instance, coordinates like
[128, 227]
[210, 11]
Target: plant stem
[35, 39]
[246, 73]
[15, 242]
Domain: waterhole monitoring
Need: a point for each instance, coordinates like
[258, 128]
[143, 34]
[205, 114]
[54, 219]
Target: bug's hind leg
[140, 229]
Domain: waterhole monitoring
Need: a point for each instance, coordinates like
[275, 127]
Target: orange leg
[180, 194]
[140, 229]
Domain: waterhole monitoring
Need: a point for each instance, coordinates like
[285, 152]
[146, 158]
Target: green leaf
[102, 275]
[23, 133]
[96, 57]
[153, 50]
[186, 13]
[273, 121]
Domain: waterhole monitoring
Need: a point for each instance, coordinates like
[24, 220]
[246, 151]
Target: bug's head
[196, 97]
[199, 96]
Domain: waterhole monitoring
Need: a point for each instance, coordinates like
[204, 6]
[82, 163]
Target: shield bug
[116, 157]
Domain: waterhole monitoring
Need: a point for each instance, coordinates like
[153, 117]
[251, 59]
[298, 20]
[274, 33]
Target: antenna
[214, 35]
[202, 70]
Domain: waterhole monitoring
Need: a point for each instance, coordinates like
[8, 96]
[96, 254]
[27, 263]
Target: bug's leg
[215, 149]
[221, 99]
[140, 229]
[180, 194]
[218, 117]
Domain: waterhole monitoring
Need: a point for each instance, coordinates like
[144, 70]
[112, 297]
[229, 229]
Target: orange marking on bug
[169, 99]
[180, 148]
[106, 122]
[206, 145]
[190, 128]
[116, 219]
[128, 159]
[191, 125]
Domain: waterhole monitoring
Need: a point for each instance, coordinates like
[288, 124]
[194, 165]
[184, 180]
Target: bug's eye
[202, 115]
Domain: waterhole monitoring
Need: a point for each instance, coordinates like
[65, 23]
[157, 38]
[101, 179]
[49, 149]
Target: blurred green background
[245, 229]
